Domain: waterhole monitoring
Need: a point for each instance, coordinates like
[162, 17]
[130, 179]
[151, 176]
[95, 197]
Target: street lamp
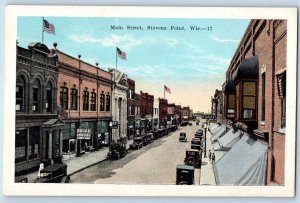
[110, 134]
[205, 126]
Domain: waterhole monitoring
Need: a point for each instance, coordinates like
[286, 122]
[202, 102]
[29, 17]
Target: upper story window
[49, 101]
[20, 94]
[93, 101]
[64, 97]
[36, 96]
[107, 102]
[249, 100]
[85, 103]
[131, 93]
[74, 98]
[102, 101]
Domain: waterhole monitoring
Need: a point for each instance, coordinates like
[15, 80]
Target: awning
[215, 129]
[244, 164]
[219, 133]
[248, 68]
[229, 86]
[227, 141]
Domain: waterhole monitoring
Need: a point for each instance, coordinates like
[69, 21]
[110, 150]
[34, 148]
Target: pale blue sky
[191, 63]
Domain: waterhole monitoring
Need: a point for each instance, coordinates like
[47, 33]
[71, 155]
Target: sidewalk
[207, 171]
[77, 164]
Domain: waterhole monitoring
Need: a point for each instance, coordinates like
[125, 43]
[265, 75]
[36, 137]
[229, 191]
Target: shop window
[34, 139]
[102, 101]
[74, 98]
[263, 97]
[21, 145]
[36, 91]
[20, 94]
[85, 103]
[93, 101]
[107, 102]
[249, 100]
[64, 97]
[49, 93]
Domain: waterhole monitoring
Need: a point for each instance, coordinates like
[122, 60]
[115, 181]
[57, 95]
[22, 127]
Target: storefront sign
[115, 124]
[209, 117]
[83, 134]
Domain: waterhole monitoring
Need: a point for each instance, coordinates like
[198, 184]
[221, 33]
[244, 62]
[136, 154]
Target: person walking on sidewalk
[209, 156]
[213, 158]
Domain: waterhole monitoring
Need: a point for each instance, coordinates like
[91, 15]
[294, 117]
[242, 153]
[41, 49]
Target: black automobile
[193, 157]
[184, 123]
[185, 174]
[117, 150]
[196, 143]
[137, 143]
[199, 134]
[190, 123]
[182, 137]
[55, 173]
[197, 122]
[147, 139]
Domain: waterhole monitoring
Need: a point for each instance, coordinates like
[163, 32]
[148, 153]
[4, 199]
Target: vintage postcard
[150, 101]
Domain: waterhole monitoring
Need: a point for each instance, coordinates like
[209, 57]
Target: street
[153, 164]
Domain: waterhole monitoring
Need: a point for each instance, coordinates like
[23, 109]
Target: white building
[119, 104]
[156, 113]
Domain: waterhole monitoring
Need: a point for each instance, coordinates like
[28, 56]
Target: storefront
[137, 127]
[69, 138]
[103, 133]
[131, 130]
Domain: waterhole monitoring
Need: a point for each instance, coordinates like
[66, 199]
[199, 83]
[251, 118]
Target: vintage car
[193, 157]
[117, 150]
[190, 123]
[147, 139]
[185, 174]
[199, 134]
[182, 137]
[137, 143]
[196, 143]
[184, 123]
[197, 122]
[55, 173]
[173, 128]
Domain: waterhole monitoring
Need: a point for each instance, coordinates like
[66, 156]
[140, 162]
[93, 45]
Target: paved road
[153, 164]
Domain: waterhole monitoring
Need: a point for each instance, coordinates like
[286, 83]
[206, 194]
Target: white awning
[221, 131]
[215, 129]
[228, 140]
[244, 164]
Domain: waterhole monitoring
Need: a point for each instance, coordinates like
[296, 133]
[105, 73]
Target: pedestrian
[209, 156]
[213, 158]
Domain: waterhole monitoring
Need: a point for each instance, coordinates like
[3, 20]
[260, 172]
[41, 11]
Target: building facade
[131, 108]
[171, 114]
[38, 131]
[119, 104]
[84, 102]
[163, 112]
[254, 91]
[217, 105]
[137, 103]
[146, 101]
[186, 113]
[178, 114]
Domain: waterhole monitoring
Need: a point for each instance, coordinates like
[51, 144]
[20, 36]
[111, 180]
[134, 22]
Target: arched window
[49, 94]
[20, 94]
[85, 103]
[102, 101]
[108, 102]
[74, 98]
[93, 100]
[36, 96]
[64, 97]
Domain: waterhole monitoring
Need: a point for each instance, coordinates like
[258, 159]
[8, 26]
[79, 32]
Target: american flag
[48, 27]
[121, 54]
[167, 89]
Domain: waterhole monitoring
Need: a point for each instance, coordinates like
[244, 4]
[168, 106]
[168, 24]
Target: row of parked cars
[192, 160]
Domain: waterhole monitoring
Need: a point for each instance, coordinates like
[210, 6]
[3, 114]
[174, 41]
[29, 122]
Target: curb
[81, 169]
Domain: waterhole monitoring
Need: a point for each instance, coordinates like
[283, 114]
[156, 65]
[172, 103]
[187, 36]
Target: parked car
[117, 150]
[182, 137]
[55, 173]
[193, 157]
[196, 143]
[137, 143]
[190, 123]
[199, 134]
[197, 122]
[185, 174]
[184, 123]
[147, 139]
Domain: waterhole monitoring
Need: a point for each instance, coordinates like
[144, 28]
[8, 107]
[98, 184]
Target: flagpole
[43, 30]
[116, 59]
[164, 92]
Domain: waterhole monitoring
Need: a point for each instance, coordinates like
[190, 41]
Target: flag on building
[167, 89]
[121, 54]
[48, 27]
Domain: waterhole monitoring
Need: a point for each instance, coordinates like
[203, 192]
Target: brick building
[38, 129]
[163, 111]
[131, 108]
[146, 105]
[137, 103]
[171, 114]
[217, 105]
[254, 91]
[178, 114]
[84, 95]
[156, 113]
[186, 113]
